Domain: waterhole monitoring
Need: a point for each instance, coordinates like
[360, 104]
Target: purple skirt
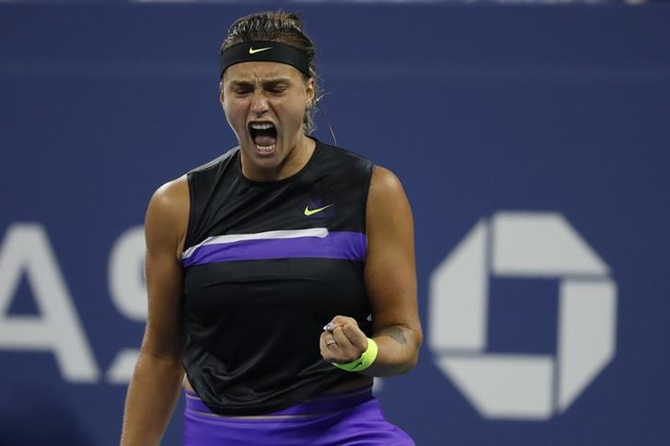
[334, 419]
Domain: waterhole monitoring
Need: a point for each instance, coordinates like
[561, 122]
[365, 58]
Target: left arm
[390, 280]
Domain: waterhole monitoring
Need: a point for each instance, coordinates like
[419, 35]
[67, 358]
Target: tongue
[265, 140]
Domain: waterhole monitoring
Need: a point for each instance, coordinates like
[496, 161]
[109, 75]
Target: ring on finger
[330, 342]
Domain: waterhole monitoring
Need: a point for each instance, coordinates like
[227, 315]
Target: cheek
[234, 111]
[236, 121]
[295, 110]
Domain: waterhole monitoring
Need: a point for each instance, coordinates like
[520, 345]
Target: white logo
[532, 245]
[26, 252]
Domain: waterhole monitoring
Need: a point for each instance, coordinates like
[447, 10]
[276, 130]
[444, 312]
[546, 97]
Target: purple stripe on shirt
[336, 245]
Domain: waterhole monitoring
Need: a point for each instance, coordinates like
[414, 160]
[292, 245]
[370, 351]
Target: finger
[340, 338]
[355, 335]
[347, 351]
[338, 321]
[348, 327]
[329, 339]
[328, 346]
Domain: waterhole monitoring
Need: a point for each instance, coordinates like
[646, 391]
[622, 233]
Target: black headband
[264, 51]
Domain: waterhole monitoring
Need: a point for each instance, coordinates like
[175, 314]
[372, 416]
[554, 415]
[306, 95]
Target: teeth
[266, 149]
[261, 126]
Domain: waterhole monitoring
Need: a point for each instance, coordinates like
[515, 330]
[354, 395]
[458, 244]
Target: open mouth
[264, 135]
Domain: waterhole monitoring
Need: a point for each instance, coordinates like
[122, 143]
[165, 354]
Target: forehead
[258, 71]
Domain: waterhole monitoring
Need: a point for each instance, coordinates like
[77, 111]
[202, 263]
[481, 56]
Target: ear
[221, 97]
[310, 92]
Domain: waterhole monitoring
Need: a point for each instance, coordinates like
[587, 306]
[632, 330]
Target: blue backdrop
[532, 142]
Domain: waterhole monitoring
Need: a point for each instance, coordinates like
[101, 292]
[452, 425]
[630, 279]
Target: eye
[242, 90]
[278, 90]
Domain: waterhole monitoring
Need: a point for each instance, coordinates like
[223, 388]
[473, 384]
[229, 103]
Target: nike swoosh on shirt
[309, 211]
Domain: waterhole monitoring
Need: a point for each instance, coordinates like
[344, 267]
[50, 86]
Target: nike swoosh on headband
[254, 51]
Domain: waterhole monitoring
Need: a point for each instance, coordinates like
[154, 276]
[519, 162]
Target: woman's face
[265, 105]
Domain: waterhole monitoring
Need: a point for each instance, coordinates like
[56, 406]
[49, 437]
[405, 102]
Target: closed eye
[241, 88]
[277, 90]
[276, 87]
[241, 91]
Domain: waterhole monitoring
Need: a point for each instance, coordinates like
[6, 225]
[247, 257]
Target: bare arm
[390, 279]
[154, 389]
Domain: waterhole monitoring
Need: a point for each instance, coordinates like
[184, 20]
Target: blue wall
[550, 120]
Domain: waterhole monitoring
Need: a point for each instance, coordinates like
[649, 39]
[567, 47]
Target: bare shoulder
[386, 195]
[171, 196]
[167, 215]
[384, 180]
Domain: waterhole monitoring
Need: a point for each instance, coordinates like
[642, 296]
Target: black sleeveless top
[266, 266]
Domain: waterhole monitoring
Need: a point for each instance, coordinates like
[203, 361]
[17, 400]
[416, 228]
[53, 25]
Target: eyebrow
[268, 83]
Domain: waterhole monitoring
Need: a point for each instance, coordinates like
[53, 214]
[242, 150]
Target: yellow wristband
[365, 361]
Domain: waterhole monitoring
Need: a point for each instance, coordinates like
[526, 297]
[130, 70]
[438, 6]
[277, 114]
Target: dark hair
[277, 26]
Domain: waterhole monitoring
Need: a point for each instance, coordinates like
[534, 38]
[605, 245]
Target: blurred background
[532, 139]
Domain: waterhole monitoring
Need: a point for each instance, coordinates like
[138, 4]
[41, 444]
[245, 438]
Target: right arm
[154, 389]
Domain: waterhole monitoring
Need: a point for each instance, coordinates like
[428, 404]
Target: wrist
[364, 361]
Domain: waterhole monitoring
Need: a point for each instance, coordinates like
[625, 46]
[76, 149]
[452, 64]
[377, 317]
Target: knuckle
[351, 357]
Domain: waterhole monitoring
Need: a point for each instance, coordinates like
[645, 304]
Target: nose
[259, 104]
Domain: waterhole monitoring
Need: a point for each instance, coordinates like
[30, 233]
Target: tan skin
[275, 93]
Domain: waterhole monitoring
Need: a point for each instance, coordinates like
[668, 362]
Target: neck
[291, 164]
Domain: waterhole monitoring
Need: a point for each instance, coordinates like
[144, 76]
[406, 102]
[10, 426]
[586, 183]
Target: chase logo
[518, 386]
